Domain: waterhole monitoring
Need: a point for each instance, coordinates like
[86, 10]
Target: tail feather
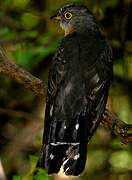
[76, 156]
[52, 158]
[66, 159]
[65, 149]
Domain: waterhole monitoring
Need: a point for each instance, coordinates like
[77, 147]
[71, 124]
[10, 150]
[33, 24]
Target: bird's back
[77, 94]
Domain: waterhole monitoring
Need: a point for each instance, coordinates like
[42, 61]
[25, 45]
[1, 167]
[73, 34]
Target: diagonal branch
[21, 76]
[28, 81]
[118, 127]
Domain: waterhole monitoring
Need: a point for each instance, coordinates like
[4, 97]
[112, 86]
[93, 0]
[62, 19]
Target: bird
[78, 87]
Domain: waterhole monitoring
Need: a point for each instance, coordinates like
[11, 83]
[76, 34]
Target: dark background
[29, 39]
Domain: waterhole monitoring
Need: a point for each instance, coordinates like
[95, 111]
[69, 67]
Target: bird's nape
[77, 17]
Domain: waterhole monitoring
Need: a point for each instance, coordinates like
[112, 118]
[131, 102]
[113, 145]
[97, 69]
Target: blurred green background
[29, 39]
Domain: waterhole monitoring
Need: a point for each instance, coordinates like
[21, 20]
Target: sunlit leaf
[20, 3]
[76, 1]
[29, 20]
[100, 157]
[121, 161]
[6, 33]
[29, 34]
[16, 178]
[41, 175]
[118, 69]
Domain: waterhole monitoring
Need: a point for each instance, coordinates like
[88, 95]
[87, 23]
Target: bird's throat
[69, 31]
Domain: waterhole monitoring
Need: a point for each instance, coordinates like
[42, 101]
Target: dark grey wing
[97, 82]
[56, 74]
[62, 107]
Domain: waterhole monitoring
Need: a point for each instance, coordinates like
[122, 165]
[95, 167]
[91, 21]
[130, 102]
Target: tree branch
[21, 76]
[118, 127]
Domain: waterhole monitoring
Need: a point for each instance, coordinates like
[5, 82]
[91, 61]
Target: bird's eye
[68, 15]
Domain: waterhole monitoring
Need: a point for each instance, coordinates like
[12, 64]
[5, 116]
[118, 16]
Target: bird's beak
[56, 16]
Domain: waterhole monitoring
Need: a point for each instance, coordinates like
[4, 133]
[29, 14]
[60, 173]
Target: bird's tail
[65, 158]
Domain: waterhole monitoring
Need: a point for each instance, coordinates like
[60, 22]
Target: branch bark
[118, 127]
[21, 76]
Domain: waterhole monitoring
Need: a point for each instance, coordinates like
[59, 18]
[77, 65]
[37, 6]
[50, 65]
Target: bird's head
[75, 17]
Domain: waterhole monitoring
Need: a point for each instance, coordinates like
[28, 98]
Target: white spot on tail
[51, 111]
[64, 143]
[67, 169]
[64, 127]
[62, 167]
[76, 157]
[52, 156]
[77, 126]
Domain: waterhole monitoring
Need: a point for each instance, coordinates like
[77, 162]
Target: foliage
[30, 40]
[16, 178]
[31, 175]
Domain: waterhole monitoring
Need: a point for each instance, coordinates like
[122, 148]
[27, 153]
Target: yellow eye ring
[68, 15]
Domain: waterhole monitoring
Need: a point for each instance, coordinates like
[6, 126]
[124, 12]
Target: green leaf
[29, 20]
[24, 58]
[121, 161]
[100, 156]
[6, 33]
[33, 54]
[41, 175]
[30, 34]
[38, 138]
[16, 178]
[112, 3]
[76, 1]
[28, 176]
[20, 3]
[33, 159]
[118, 69]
